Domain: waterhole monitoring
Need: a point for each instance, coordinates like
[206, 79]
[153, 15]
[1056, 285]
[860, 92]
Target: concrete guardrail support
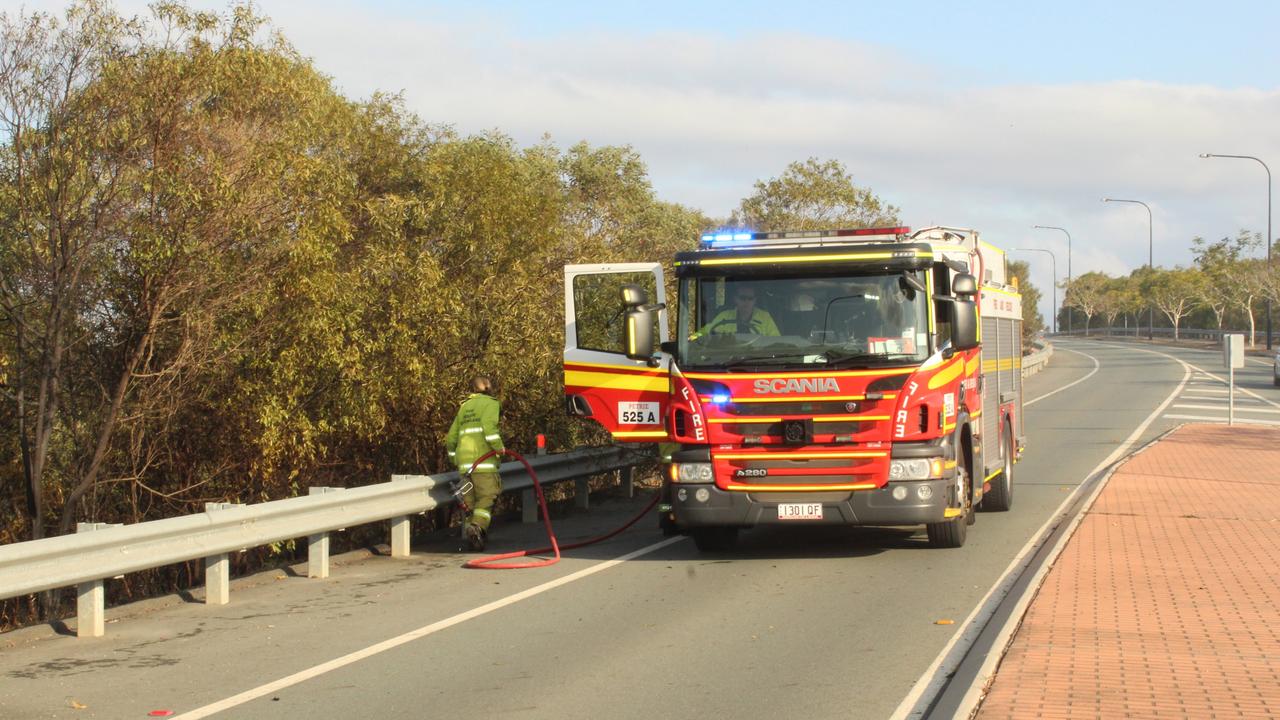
[91, 597]
[318, 545]
[217, 568]
[400, 536]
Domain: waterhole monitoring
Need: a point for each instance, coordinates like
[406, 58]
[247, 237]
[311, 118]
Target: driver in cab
[743, 318]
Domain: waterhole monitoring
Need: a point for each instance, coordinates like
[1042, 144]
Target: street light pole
[1264, 167]
[1151, 311]
[1054, 264]
[1070, 323]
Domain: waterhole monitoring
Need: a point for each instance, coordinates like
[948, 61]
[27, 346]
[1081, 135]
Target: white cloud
[713, 113]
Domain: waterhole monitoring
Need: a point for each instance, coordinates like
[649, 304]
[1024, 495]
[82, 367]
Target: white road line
[1223, 419]
[412, 635]
[1092, 372]
[1223, 407]
[932, 679]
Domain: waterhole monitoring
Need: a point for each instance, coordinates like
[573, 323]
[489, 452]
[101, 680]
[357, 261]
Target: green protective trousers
[485, 489]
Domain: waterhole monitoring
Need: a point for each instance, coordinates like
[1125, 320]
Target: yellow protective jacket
[474, 433]
[726, 321]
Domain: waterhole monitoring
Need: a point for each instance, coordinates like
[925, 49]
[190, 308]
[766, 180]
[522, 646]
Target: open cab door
[613, 373]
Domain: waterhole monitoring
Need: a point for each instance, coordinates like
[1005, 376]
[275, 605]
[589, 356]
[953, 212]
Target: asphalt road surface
[819, 622]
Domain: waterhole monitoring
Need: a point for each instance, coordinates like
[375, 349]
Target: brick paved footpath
[1166, 601]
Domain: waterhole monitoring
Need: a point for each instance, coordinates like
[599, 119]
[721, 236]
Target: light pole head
[1205, 155]
[1106, 199]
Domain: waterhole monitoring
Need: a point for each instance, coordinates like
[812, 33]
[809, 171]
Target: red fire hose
[492, 562]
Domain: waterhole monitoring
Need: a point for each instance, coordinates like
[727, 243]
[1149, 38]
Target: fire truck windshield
[744, 322]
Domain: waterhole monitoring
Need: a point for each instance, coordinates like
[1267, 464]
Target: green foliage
[270, 286]
[813, 195]
[1032, 320]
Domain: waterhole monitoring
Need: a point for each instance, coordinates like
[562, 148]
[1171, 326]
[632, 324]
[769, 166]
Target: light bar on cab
[723, 239]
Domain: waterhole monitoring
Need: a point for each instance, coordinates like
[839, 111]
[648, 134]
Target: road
[798, 621]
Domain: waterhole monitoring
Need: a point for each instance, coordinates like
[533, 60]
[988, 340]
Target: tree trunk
[90, 477]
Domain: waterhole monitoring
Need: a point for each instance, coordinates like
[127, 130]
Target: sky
[989, 115]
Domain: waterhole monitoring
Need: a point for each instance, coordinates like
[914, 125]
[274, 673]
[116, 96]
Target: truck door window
[598, 310]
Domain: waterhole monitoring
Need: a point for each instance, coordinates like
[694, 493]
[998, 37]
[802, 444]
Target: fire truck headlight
[914, 469]
[694, 473]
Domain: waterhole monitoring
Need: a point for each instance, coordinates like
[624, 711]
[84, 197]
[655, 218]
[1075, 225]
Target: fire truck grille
[794, 408]
[774, 498]
[775, 429]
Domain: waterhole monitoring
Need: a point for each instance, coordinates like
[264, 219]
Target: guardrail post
[400, 536]
[91, 597]
[627, 480]
[217, 568]
[318, 545]
[582, 492]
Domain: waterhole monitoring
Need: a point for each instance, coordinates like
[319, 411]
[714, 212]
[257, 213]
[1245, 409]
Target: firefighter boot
[476, 537]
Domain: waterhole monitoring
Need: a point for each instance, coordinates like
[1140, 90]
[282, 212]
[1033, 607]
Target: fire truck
[852, 377]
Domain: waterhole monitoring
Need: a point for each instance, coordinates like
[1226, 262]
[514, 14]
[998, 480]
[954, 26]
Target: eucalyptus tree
[1086, 293]
[813, 195]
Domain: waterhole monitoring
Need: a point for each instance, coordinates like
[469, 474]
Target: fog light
[924, 492]
[682, 494]
[899, 493]
[702, 495]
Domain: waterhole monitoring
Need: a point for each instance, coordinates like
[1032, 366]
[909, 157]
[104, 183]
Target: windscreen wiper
[840, 360]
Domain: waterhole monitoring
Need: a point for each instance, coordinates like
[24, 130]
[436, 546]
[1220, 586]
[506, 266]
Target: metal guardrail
[1034, 362]
[87, 558]
[1260, 335]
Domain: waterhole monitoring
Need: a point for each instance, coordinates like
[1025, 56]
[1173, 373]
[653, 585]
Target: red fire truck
[855, 377]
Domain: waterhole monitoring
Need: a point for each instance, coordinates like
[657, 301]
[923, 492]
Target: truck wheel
[1000, 498]
[952, 533]
[712, 539]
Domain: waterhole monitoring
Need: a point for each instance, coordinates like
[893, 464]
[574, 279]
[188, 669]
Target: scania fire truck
[854, 377]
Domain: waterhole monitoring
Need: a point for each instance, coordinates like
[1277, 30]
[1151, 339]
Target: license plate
[800, 511]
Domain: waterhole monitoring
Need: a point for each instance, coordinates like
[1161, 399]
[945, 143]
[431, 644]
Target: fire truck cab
[856, 377]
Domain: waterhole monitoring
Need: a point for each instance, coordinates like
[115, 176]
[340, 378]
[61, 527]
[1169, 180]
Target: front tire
[953, 532]
[1000, 499]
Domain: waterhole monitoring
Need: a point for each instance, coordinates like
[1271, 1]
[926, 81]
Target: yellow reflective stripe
[828, 418]
[895, 255]
[988, 478]
[800, 374]
[1005, 364]
[799, 398]
[800, 488]
[494, 436]
[990, 289]
[640, 434]
[947, 374]
[952, 512]
[972, 366]
[473, 430]
[482, 513]
[805, 455]
[614, 368]
[617, 381]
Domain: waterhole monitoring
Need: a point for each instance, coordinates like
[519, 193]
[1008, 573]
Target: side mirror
[964, 323]
[640, 321]
[633, 296]
[640, 333]
[964, 285]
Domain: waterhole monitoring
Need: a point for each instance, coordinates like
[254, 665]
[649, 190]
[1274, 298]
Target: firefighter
[743, 318]
[473, 434]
